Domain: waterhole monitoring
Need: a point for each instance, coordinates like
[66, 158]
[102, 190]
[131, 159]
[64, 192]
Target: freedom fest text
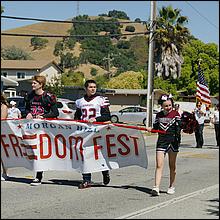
[44, 139]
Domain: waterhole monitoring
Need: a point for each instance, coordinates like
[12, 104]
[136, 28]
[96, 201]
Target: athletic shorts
[167, 143]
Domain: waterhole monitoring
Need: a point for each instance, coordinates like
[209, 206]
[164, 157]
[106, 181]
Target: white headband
[165, 97]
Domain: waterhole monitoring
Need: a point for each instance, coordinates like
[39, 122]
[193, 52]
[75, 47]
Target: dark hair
[164, 98]
[198, 103]
[4, 100]
[88, 82]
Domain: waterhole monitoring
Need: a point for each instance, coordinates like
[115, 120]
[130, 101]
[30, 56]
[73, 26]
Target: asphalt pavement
[128, 194]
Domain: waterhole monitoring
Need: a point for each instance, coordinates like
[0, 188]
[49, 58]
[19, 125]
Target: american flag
[202, 91]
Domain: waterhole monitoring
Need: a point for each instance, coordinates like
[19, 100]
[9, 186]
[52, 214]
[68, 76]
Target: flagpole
[199, 62]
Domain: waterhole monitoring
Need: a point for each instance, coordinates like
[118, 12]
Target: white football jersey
[92, 108]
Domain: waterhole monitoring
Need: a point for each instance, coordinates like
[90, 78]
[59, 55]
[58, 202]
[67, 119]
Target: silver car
[66, 108]
[132, 114]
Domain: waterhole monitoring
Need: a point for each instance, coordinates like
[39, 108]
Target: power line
[202, 15]
[62, 21]
[69, 36]
[77, 8]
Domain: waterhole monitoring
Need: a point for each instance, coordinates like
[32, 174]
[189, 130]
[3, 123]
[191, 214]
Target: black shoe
[106, 178]
[84, 185]
[198, 146]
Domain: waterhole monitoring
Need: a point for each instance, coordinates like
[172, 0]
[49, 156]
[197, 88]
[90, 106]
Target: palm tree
[170, 36]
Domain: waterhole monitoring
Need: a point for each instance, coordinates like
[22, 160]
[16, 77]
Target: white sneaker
[36, 182]
[155, 191]
[4, 177]
[171, 190]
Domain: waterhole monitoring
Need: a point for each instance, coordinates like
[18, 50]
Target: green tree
[14, 53]
[95, 49]
[138, 20]
[139, 46]
[73, 78]
[69, 61]
[58, 48]
[214, 82]
[125, 61]
[192, 52]
[82, 28]
[38, 43]
[102, 81]
[93, 71]
[103, 15]
[118, 14]
[130, 28]
[123, 44]
[55, 86]
[123, 81]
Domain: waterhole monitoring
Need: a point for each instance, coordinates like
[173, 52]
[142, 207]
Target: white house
[20, 70]
[8, 86]
[125, 97]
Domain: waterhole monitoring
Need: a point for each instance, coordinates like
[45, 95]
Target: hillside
[39, 28]
[51, 28]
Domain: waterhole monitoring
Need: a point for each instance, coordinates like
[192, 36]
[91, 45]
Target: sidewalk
[151, 138]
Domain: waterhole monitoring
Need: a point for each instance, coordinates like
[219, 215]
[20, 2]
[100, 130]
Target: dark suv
[20, 103]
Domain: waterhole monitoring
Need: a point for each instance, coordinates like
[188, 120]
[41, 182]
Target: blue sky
[203, 15]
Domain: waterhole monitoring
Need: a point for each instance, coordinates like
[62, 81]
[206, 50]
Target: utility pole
[150, 82]
[108, 64]
[77, 8]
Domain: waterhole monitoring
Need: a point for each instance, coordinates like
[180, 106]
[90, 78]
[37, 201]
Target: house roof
[8, 82]
[133, 91]
[27, 64]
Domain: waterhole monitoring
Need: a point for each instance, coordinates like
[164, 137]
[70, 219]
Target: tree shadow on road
[139, 188]
[64, 182]
[51, 181]
[142, 189]
[77, 182]
[99, 184]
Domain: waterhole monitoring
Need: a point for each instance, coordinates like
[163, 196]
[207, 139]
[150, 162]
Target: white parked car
[66, 108]
[131, 114]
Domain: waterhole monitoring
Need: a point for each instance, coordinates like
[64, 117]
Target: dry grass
[53, 29]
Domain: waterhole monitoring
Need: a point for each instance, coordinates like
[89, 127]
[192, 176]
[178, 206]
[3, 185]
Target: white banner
[42, 145]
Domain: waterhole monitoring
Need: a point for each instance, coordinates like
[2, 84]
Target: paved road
[128, 194]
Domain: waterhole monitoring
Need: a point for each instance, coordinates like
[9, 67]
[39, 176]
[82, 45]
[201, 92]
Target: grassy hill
[50, 28]
[39, 28]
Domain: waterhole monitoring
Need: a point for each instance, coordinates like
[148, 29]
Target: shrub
[130, 28]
